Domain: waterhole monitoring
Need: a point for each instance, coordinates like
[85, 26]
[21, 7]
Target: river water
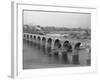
[35, 58]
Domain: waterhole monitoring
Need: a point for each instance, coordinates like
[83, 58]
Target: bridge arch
[30, 36]
[76, 52]
[49, 42]
[67, 46]
[27, 36]
[34, 37]
[49, 45]
[43, 44]
[77, 45]
[43, 41]
[57, 44]
[38, 40]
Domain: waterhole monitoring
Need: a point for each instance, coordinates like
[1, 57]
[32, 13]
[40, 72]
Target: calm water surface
[33, 58]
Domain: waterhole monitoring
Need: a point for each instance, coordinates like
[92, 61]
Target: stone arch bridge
[52, 42]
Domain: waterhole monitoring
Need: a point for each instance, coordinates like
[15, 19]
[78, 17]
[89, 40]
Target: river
[35, 58]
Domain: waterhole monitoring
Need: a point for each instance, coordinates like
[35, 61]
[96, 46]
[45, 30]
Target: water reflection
[38, 56]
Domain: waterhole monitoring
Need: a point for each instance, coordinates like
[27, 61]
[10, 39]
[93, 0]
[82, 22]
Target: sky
[57, 19]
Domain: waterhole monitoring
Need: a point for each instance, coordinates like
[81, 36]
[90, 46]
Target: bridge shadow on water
[36, 56]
